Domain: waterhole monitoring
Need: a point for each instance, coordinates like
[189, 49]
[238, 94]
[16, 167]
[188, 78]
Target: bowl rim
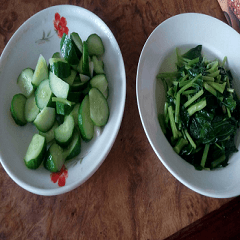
[164, 162]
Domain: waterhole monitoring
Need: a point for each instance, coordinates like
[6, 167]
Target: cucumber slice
[54, 158]
[91, 67]
[84, 78]
[97, 65]
[95, 45]
[41, 72]
[79, 65]
[78, 86]
[56, 55]
[31, 109]
[60, 67]
[85, 123]
[64, 133]
[85, 60]
[100, 82]
[71, 78]
[58, 86]
[18, 109]
[77, 41]
[74, 113]
[99, 110]
[49, 135]
[44, 94]
[68, 50]
[74, 148]
[24, 82]
[106, 93]
[63, 109]
[45, 119]
[62, 100]
[35, 152]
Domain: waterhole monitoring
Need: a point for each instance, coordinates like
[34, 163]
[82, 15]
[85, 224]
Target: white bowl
[218, 40]
[38, 36]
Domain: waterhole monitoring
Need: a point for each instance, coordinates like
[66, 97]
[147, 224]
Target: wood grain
[220, 224]
[132, 195]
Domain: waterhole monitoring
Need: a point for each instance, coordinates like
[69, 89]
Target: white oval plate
[218, 40]
[38, 36]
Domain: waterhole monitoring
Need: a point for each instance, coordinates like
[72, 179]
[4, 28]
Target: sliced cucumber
[84, 78]
[106, 93]
[56, 59]
[54, 158]
[60, 67]
[71, 78]
[18, 109]
[68, 50]
[95, 45]
[100, 82]
[97, 65]
[91, 68]
[85, 60]
[74, 113]
[62, 100]
[74, 147]
[31, 109]
[24, 82]
[85, 123]
[79, 65]
[49, 135]
[41, 72]
[58, 86]
[64, 133]
[56, 55]
[99, 110]
[44, 94]
[77, 41]
[35, 152]
[78, 86]
[63, 109]
[45, 119]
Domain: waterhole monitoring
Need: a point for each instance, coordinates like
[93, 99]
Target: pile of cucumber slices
[65, 99]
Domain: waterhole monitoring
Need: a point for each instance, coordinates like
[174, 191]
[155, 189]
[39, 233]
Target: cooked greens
[202, 111]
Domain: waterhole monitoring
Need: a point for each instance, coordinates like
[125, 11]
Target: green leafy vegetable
[202, 111]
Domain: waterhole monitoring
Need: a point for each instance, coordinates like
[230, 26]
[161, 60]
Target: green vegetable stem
[202, 111]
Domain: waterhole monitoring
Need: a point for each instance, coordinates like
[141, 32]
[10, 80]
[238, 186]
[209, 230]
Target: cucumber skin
[98, 49]
[68, 50]
[13, 113]
[36, 162]
[66, 143]
[103, 121]
[81, 120]
[85, 60]
[49, 162]
[77, 148]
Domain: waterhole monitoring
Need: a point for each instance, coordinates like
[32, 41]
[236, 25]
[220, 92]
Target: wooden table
[132, 195]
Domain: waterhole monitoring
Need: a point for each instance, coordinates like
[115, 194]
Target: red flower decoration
[60, 25]
[60, 176]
